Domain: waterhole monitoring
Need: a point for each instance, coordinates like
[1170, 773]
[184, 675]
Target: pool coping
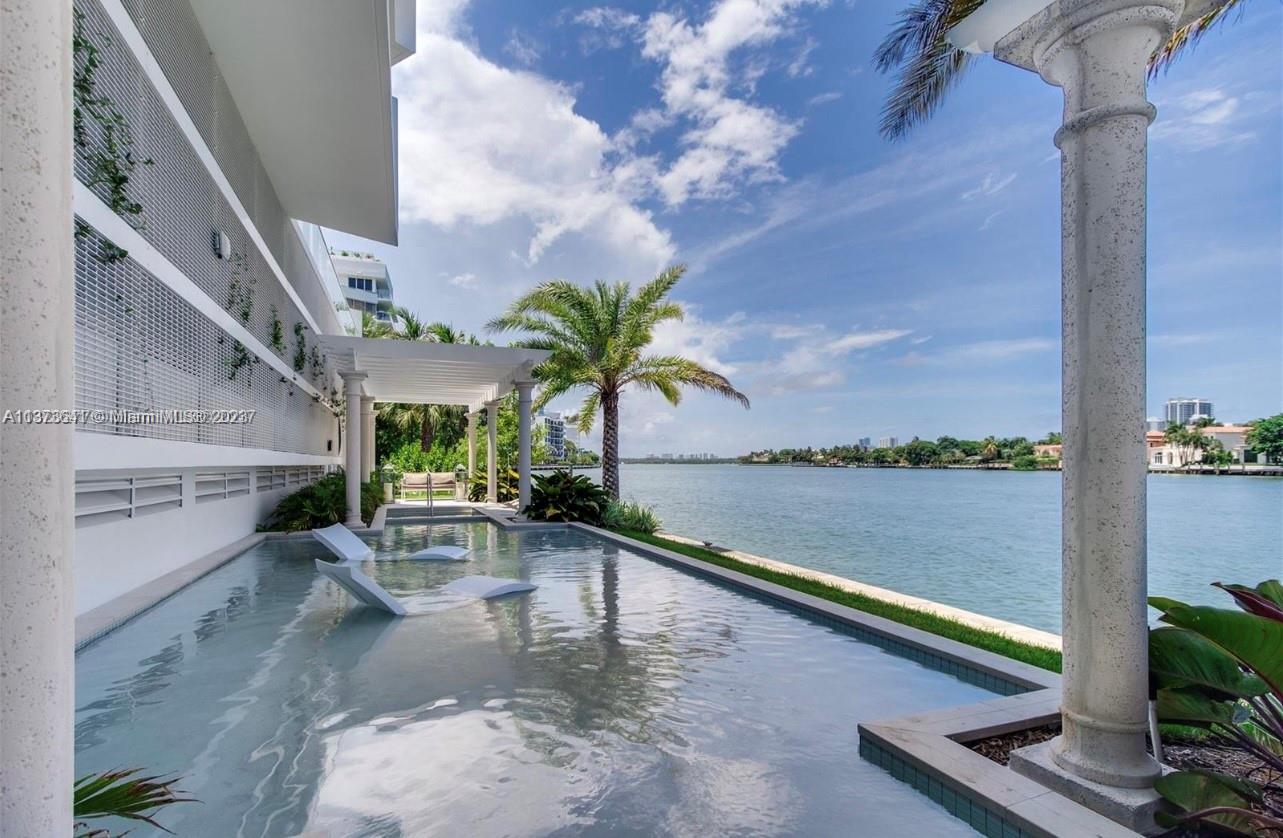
[927, 750]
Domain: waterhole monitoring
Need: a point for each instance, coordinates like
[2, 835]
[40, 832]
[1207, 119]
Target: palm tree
[927, 65]
[596, 337]
[426, 418]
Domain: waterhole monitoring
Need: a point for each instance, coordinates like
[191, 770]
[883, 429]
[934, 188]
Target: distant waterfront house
[1233, 438]
[1048, 450]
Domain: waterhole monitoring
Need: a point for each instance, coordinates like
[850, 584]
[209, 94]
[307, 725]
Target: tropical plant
[321, 504]
[505, 486]
[121, 794]
[927, 65]
[597, 336]
[1025, 462]
[631, 516]
[1266, 437]
[562, 496]
[1221, 670]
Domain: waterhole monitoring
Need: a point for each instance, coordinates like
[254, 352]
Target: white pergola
[414, 372]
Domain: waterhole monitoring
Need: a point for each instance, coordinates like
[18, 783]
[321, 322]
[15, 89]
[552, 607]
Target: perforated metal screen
[139, 345]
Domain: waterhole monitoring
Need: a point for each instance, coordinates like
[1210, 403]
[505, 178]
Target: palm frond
[682, 371]
[124, 794]
[927, 64]
[1187, 37]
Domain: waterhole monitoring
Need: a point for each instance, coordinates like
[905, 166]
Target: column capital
[493, 404]
[1066, 27]
[524, 389]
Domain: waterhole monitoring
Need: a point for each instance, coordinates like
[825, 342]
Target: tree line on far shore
[1017, 452]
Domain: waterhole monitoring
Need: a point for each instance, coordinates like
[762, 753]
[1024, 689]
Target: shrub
[1220, 670]
[506, 488]
[632, 516]
[1025, 462]
[562, 496]
[321, 504]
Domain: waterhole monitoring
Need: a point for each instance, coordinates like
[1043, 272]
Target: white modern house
[365, 283]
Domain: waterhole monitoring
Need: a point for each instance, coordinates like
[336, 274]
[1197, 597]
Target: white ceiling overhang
[312, 82]
[415, 372]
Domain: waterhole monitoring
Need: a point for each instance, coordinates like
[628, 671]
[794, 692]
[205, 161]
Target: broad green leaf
[1195, 791]
[1181, 658]
[1257, 642]
[1193, 707]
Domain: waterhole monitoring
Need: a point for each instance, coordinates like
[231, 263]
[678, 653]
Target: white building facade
[198, 285]
[553, 427]
[365, 284]
[1184, 411]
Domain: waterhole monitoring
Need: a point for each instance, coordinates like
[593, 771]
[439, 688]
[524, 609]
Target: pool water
[623, 697]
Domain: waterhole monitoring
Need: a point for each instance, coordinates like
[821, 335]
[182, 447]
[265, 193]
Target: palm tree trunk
[425, 430]
[610, 444]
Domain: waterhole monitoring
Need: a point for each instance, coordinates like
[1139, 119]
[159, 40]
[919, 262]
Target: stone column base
[1132, 808]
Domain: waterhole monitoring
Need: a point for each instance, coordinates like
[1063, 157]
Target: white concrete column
[524, 392]
[472, 444]
[1096, 51]
[352, 401]
[367, 436]
[492, 452]
[37, 471]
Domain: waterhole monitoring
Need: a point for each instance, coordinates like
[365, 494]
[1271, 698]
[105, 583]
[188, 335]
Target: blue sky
[850, 286]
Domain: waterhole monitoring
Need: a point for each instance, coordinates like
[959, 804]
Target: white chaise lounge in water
[345, 544]
[361, 587]
[441, 553]
[487, 587]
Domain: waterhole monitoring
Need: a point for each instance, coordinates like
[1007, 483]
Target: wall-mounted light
[222, 244]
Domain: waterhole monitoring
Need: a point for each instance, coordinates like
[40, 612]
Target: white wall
[114, 557]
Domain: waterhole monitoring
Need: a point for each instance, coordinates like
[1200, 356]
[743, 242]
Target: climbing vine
[111, 161]
[318, 364]
[300, 348]
[276, 332]
[240, 304]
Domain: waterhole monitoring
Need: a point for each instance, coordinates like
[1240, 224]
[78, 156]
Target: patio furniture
[488, 587]
[343, 543]
[361, 587]
[441, 553]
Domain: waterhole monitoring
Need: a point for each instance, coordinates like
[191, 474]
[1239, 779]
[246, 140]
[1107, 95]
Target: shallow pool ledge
[929, 750]
[1014, 631]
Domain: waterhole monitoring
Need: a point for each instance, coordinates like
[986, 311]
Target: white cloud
[466, 280]
[727, 140]
[481, 144]
[992, 351]
[801, 64]
[824, 98]
[816, 358]
[703, 341]
[523, 49]
[1202, 119]
[991, 185]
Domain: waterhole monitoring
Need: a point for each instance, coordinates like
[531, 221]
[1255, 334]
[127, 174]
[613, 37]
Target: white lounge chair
[361, 587]
[343, 543]
[441, 553]
[487, 587]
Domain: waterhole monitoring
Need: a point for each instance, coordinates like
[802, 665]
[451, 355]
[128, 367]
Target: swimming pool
[622, 697]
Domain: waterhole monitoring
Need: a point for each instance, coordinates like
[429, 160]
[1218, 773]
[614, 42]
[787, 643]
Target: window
[360, 283]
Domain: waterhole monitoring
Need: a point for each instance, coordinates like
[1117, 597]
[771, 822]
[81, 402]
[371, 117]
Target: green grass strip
[944, 627]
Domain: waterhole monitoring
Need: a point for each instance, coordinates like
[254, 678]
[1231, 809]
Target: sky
[849, 285]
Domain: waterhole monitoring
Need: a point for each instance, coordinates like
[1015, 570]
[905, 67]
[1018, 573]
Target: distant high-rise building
[554, 429]
[365, 283]
[1153, 423]
[1183, 411]
[865, 442]
[888, 442]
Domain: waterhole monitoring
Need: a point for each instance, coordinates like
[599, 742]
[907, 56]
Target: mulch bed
[1181, 755]
[999, 748]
